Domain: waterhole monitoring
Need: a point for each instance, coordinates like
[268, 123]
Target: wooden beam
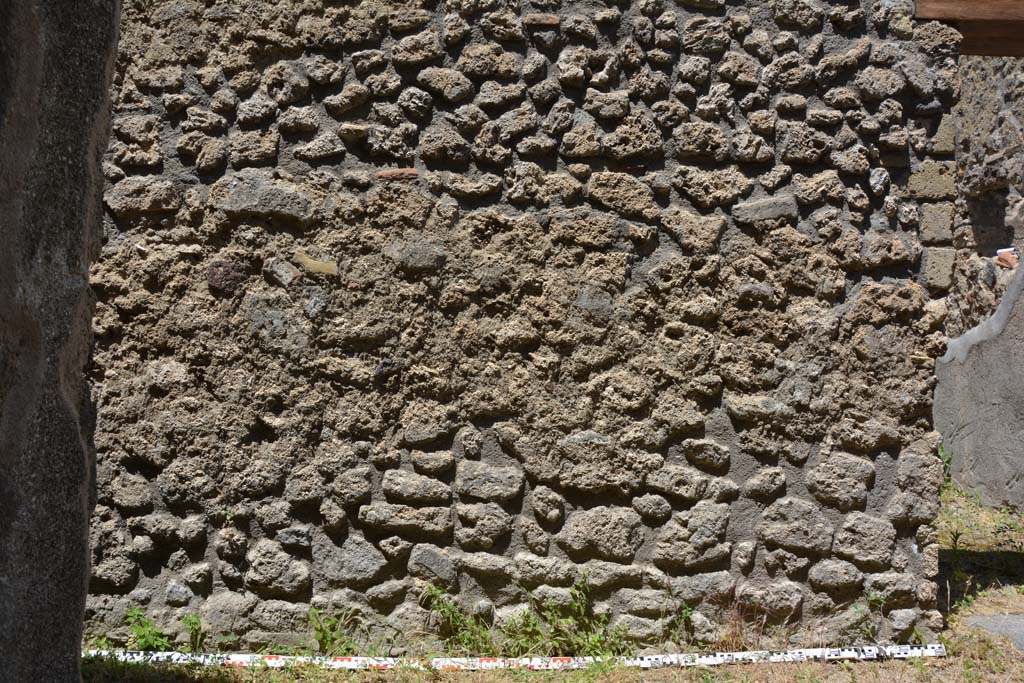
[991, 38]
[971, 10]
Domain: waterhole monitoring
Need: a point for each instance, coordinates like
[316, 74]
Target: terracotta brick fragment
[398, 174]
[543, 20]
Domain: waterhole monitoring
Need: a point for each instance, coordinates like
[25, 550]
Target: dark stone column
[56, 58]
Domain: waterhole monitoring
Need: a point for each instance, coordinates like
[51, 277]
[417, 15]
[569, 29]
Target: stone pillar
[56, 58]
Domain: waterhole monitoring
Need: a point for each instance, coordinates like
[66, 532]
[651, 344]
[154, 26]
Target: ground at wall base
[974, 657]
[982, 569]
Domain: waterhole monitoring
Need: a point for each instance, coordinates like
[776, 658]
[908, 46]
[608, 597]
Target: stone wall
[977, 399]
[990, 210]
[56, 60]
[495, 296]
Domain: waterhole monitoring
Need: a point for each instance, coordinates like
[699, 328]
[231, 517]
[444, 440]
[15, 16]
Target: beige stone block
[934, 181]
[937, 223]
[253, 148]
[944, 140]
[937, 268]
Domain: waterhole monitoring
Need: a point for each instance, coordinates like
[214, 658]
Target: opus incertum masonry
[499, 295]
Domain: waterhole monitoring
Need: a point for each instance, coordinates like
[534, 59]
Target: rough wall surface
[55, 64]
[978, 403]
[990, 210]
[494, 295]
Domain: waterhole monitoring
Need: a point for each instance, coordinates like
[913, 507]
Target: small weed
[811, 678]
[680, 626]
[879, 603]
[850, 671]
[970, 675]
[578, 632]
[869, 626]
[955, 535]
[876, 601]
[101, 643]
[541, 630]
[963, 603]
[523, 634]
[963, 585]
[946, 456]
[462, 633]
[332, 633]
[145, 634]
[196, 635]
[224, 643]
[923, 674]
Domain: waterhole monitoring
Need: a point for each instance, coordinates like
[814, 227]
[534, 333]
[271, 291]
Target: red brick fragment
[1007, 260]
[541, 20]
[398, 174]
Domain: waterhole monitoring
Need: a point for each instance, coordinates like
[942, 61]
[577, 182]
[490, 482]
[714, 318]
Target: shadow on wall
[978, 406]
[988, 220]
[965, 573]
[990, 152]
[992, 174]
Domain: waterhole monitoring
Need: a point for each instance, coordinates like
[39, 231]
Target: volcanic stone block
[934, 180]
[865, 540]
[694, 539]
[140, 195]
[357, 563]
[410, 487]
[778, 600]
[835, 575]
[937, 268]
[255, 193]
[771, 208]
[488, 482]
[482, 525]
[796, 525]
[937, 223]
[841, 480]
[610, 533]
[273, 573]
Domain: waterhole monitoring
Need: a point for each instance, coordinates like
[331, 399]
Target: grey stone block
[770, 208]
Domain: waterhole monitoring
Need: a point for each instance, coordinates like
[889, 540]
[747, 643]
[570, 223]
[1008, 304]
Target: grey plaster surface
[55, 66]
[979, 403]
[1008, 625]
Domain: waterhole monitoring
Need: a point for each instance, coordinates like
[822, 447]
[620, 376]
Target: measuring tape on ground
[821, 654]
